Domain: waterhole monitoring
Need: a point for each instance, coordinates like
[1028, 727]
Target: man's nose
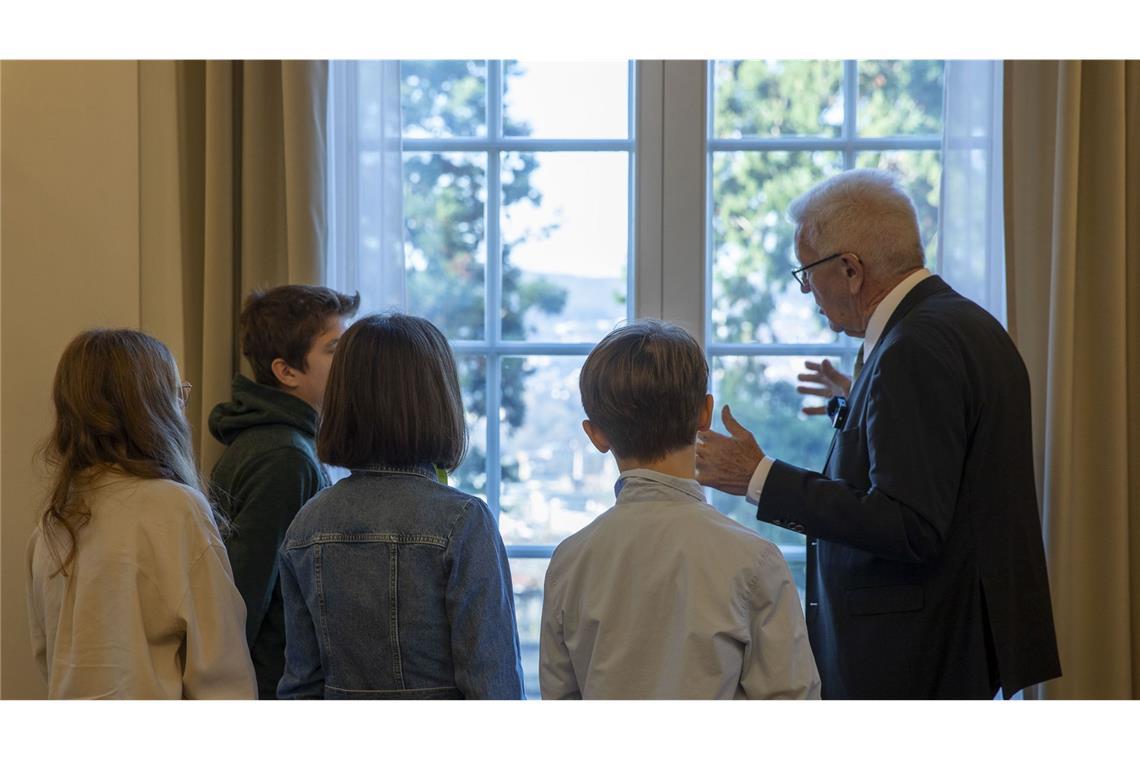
[805, 286]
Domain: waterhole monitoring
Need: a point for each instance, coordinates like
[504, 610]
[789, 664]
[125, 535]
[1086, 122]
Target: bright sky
[587, 193]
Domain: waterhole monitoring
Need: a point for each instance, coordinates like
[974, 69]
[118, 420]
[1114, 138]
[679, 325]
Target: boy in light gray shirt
[663, 597]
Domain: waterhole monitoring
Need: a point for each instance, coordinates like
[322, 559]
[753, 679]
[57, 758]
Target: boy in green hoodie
[269, 468]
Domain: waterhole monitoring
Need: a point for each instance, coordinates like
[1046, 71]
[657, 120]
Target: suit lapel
[919, 293]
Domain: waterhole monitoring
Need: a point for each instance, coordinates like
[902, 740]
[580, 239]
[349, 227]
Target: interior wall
[69, 260]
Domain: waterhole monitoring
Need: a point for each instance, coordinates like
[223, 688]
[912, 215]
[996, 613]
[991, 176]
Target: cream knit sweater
[149, 609]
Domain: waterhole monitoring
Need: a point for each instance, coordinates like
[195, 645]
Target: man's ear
[285, 374]
[596, 436]
[704, 419]
[854, 272]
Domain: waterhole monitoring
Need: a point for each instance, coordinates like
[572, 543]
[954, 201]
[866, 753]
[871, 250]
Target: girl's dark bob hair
[392, 398]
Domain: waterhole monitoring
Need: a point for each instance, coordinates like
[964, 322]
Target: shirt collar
[423, 470]
[649, 485]
[886, 308]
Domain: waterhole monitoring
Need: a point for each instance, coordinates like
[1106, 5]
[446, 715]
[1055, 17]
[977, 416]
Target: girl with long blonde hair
[130, 591]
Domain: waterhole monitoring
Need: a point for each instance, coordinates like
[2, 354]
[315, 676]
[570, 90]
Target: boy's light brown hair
[283, 322]
[644, 386]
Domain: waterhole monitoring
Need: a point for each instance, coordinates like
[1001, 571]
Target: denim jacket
[396, 586]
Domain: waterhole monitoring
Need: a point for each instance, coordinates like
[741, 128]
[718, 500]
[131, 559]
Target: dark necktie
[858, 365]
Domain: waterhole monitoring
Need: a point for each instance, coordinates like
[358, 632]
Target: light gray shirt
[663, 597]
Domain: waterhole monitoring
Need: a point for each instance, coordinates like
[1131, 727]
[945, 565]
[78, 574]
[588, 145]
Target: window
[775, 129]
[516, 189]
[541, 204]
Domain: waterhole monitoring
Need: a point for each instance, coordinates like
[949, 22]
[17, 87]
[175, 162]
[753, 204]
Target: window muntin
[518, 214]
[776, 128]
[518, 242]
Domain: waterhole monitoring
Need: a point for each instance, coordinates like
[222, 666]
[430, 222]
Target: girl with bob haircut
[395, 585]
[130, 592]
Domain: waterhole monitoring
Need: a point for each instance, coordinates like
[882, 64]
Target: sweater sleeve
[35, 611]
[270, 493]
[217, 663]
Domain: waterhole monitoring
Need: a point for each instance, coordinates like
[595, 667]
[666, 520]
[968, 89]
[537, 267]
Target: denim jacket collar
[649, 485]
[422, 470]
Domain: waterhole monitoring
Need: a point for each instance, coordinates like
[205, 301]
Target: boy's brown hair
[644, 386]
[283, 322]
[392, 397]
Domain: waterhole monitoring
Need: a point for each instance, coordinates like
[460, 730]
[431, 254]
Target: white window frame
[670, 245]
[492, 346]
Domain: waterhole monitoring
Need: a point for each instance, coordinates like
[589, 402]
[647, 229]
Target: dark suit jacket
[926, 569]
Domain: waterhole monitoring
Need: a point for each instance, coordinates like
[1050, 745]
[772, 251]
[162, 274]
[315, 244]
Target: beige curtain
[1072, 182]
[232, 177]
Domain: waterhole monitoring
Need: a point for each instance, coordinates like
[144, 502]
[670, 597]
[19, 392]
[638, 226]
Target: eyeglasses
[184, 392]
[800, 275]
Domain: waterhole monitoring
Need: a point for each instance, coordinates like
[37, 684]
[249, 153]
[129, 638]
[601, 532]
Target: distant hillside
[591, 305]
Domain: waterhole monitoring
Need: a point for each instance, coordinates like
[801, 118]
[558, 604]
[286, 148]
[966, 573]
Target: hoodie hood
[255, 405]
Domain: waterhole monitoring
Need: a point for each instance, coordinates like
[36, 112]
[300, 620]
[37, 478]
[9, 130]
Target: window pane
[777, 98]
[445, 251]
[754, 297]
[527, 576]
[761, 390]
[554, 482]
[920, 172]
[900, 98]
[369, 108]
[471, 475]
[565, 245]
[565, 100]
[444, 98]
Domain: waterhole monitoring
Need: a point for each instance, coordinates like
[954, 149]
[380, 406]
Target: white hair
[865, 212]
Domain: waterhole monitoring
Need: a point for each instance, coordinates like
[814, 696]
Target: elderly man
[925, 565]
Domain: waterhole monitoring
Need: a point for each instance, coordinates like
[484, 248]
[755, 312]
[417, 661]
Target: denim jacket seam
[367, 538]
[459, 516]
[391, 691]
[417, 471]
[320, 584]
[394, 613]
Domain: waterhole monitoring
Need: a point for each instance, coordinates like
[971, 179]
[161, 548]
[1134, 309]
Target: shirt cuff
[759, 477]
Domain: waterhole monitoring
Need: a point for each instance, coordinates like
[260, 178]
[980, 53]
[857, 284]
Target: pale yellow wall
[69, 260]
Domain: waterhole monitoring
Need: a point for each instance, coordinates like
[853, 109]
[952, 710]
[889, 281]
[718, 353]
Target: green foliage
[900, 98]
[753, 241]
[445, 236]
[770, 408]
[778, 98]
[754, 297]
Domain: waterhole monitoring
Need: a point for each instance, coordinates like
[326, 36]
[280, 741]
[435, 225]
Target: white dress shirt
[663, 597]
[879, 318]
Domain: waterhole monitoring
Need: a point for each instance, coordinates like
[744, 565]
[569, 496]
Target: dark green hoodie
[268, 471]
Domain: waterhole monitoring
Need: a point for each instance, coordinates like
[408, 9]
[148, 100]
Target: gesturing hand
[829, 382]
[726, 462]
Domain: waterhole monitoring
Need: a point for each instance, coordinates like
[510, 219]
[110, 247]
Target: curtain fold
[366, 203]
[971, 243]
[232, 198]
[1072, 186]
